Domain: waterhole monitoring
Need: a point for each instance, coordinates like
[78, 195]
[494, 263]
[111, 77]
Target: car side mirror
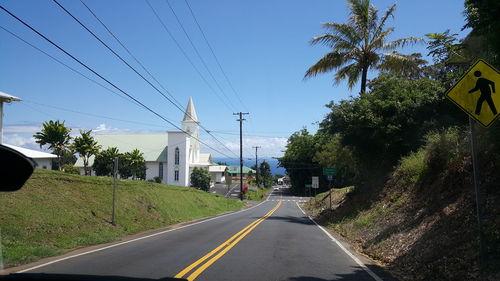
[15, 169]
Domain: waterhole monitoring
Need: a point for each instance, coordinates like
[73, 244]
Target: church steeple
[190, 113]
[191, 126]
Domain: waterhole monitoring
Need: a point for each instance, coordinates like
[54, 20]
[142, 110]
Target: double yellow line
[222, 249]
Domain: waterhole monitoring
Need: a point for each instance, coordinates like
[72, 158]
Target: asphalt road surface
[270, 241]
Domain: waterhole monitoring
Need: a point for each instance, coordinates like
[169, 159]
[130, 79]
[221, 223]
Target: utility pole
[241, 150]
[115, 174]
[256, 166]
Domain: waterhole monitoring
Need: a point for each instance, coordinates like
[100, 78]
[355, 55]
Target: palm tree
[85, 146]
[357, 45]
[136, 162]
[56, 136]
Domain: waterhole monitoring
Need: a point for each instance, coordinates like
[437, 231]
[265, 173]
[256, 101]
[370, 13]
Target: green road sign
[309, 185]
[329, 171]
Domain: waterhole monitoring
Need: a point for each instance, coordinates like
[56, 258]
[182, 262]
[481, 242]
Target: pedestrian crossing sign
[478, 93]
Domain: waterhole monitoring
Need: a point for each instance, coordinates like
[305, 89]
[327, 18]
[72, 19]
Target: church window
[176, 175]
[160, 170]
[177, 156]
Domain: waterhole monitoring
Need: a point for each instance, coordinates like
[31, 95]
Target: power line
[131, 67]
[129, 52]
[66, 65]
[215, 57]
[103, 78]
[198, 54]
[185, 54]
[92, 114]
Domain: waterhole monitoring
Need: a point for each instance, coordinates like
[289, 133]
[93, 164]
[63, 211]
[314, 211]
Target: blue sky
[263, 47]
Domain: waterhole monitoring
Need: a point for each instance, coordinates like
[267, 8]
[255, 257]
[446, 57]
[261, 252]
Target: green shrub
[157, 179]
[443, 147]
[412, 166]
[70, 169]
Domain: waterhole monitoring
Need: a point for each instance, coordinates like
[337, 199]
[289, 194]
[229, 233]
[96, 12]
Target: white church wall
[177, 139]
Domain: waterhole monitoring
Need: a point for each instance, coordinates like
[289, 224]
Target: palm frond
[333, 41]
[346, 31]
[379, 41]
[351, 72]
[400, 43]
[329, 62]
[388, 13]
[408, 66]
[359, 13]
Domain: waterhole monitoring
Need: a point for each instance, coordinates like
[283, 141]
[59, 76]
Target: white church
[171, 156]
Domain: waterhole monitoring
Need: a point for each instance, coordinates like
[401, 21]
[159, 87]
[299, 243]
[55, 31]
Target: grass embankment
[258, 194]
[422, 223]
[55, 212]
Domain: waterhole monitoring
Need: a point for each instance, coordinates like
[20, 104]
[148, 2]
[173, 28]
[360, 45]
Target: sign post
[475, 93]
[115, 173]
[330, 173]
[309, 186]
[315, 184]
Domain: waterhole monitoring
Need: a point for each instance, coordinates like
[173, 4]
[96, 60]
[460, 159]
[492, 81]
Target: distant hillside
[273, 163]
[55, 212]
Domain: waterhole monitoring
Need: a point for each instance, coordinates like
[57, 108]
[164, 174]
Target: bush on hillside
[70, 169]
[200, 178]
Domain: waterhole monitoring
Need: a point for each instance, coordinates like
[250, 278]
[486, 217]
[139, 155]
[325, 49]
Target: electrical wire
[131, 67]
[103, 78]
[129, 52]
[66, 65]
[199, 55]
[185, 55]
[215, 57]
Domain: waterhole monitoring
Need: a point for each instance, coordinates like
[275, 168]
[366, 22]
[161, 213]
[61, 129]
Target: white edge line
[360, 263]
[136, 239]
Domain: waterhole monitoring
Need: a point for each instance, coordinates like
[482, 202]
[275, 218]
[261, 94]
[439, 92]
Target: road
[274, 240]
[233, 191]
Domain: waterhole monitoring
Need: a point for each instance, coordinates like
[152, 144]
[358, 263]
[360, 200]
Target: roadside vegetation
[56, 212]
[404, 150]
[258, 194]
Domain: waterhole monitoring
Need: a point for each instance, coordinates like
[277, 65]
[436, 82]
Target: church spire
[190, 114]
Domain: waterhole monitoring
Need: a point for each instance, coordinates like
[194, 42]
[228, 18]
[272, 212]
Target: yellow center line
[227, 244]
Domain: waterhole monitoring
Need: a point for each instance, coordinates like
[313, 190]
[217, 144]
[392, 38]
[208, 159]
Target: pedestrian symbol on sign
[475, 93]
[483, 85]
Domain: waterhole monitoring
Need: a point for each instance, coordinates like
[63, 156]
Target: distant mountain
[273, 163]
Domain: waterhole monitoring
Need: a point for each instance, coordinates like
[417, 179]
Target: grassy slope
[55, 212]
[422, 228]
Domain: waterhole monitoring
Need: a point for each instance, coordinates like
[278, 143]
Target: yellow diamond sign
[478, 93]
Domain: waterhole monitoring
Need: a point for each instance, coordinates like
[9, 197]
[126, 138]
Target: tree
[357, 46]
[482, 16]
[265, 176]
[297, 160]
[200, 178]
[104, 161]
[85, 146]
[133, 164]
[56, 136]
[390, 120]
[67, 158]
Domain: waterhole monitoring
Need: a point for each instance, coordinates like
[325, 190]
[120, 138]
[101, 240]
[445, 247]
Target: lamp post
[5, 98]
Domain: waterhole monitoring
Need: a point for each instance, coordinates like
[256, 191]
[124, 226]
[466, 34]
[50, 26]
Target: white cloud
[31, 129]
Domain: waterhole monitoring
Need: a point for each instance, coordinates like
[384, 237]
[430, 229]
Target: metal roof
[35, 154]
[153, 146]
[236, 170]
